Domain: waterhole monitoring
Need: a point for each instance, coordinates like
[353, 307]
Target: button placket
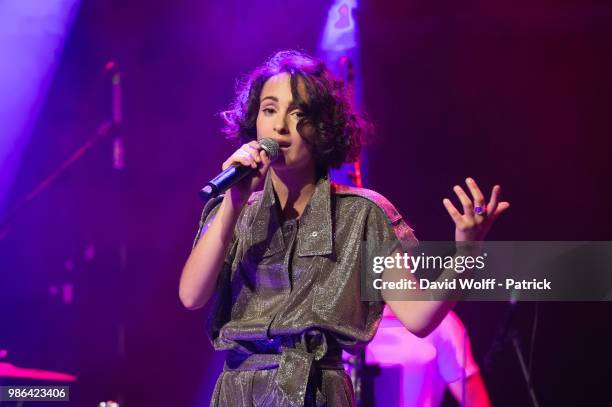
[292, 228]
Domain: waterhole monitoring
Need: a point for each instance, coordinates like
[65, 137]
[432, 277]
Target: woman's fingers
[500, 209]
[469, 226]
[492, 205]
[452, 211]
[240, 156]
[479, 199]
[252, 148]
[263, 155]
[468, 208]
[265, 163]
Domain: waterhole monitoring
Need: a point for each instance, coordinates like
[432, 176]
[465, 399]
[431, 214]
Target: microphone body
[236, 172]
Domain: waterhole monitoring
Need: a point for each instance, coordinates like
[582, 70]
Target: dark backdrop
[516, 93]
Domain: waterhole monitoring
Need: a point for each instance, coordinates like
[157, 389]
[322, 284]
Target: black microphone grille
[271, 147]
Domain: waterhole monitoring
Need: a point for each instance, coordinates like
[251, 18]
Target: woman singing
[282, 265]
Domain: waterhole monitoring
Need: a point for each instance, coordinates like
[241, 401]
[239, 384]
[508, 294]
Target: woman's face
[278, 118]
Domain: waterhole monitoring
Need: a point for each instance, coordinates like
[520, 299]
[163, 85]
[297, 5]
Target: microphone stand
[505, 334]
[121, 225]
[526, 375]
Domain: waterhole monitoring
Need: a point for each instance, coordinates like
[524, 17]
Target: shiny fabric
[288, 297]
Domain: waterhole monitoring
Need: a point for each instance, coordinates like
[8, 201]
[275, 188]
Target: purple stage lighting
[32, 35]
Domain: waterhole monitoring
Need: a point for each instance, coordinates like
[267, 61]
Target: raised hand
[478, 216]
[249, 154]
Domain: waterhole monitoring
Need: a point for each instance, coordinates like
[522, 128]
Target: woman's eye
[268, 111]
[298, 113]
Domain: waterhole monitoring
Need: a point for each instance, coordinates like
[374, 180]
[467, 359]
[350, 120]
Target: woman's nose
[281, 126]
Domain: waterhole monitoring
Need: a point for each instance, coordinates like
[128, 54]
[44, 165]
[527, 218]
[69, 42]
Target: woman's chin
[284, 163]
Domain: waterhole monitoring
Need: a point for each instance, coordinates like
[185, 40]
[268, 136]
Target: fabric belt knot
[299, 362]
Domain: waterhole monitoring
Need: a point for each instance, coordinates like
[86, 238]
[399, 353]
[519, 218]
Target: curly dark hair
[338, 129]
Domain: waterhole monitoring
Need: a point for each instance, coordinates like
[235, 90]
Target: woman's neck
[294, 190]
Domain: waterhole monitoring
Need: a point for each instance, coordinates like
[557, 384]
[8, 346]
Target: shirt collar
[315, 225]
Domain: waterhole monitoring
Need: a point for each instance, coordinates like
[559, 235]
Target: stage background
[516, 93]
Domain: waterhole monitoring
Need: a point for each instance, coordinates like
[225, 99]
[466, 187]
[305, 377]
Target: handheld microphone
[235, 172]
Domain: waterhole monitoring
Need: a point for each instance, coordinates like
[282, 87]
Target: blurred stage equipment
[506, 333]
[10, 370]
[109, 127]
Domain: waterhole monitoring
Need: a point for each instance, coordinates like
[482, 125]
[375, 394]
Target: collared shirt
[285, 278]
